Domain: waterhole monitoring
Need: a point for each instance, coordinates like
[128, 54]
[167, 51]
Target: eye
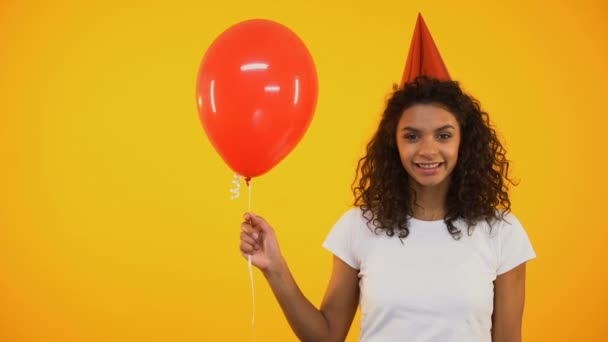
[411, 136]
[444, 136]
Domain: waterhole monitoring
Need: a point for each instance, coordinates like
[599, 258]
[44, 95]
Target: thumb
[258, 222]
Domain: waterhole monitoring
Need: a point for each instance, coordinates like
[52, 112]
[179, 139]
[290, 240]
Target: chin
[428, 183]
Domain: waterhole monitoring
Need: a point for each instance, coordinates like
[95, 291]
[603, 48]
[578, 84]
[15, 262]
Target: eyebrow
[442, 128]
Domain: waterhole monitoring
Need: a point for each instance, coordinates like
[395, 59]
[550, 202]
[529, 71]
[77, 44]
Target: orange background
[115, 218]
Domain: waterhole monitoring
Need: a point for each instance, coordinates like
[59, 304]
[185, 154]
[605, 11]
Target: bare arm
[509, 296]
[329, 323]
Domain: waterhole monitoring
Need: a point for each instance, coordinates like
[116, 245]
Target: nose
[428, 147]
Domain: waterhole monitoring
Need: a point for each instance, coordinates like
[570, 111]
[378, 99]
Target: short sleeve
[514, 245]
[341, 238]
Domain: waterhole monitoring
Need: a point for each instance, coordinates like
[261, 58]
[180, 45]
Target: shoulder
[502, 229]
[508, 218]
[345, 238]
[512, 242]
[354, 221]
[354, 217]
[507, 223]
[354, 214]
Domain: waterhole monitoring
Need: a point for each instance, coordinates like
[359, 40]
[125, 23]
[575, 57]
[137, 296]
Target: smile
[428, 165]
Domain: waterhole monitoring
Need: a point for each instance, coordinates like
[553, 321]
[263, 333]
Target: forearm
[503, 334]
[509, 298]
[306, 321]
[506, 339]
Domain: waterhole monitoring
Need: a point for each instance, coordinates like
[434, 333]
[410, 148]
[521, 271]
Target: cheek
[452, 152]
[455, 153]
[405, 152]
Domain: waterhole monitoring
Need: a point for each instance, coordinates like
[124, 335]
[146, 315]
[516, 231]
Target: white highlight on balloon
[272, 88]
[296, 94]
[213, 96]
[254, 66]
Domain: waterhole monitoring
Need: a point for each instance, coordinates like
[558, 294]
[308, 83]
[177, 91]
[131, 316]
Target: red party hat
[423, 57]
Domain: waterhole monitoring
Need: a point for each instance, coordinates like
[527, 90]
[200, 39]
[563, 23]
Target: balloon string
[236, 193]
[249, 191]
[236, 187]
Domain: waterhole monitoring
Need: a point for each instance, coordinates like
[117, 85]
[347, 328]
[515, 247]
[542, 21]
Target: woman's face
[428, 137]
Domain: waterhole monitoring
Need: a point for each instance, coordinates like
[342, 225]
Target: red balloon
[256, 94]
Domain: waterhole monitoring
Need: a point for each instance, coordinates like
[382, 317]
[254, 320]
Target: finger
[249, 230]
[248, 238]
[246, 247]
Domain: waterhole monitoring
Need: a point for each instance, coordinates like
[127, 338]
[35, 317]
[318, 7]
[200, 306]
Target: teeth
[428, 166]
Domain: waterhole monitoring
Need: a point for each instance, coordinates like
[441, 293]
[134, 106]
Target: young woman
[430, 251]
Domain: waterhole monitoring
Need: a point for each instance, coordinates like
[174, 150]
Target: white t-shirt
[431, 287]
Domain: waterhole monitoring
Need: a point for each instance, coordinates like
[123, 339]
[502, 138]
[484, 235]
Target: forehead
[427, 116]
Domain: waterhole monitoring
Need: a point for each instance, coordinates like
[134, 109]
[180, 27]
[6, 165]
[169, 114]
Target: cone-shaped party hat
[423, 57]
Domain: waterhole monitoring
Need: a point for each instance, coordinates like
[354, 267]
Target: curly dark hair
[479, 182]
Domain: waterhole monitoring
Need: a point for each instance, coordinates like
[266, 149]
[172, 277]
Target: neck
[430, 203]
